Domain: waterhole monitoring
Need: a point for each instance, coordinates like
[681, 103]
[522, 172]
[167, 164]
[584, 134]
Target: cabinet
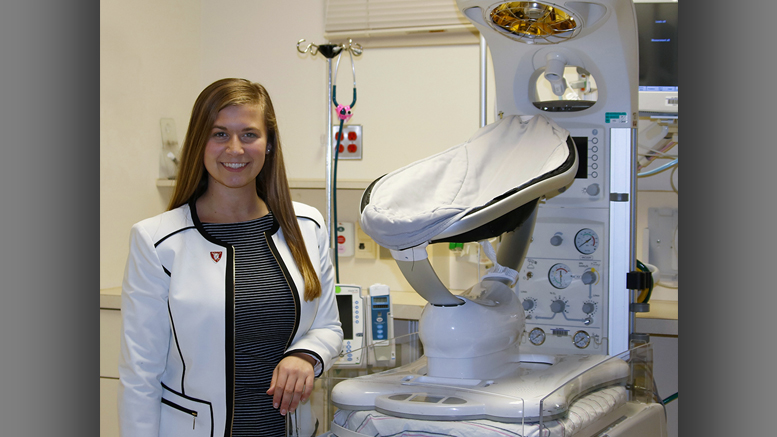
[662, 325]
[110, 334]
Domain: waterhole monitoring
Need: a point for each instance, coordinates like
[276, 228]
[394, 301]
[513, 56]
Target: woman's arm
[324, 338]
[145, 338]
[321, 344]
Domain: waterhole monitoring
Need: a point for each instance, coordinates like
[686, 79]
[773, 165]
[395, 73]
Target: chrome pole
[329, 159]
[483, 79]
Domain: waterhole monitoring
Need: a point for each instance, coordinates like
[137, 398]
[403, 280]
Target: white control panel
[351, 307]
[566, 281]
[563, 281]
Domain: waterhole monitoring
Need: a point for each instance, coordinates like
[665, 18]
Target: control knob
[558, 306]
[592, 190]
[588, 277]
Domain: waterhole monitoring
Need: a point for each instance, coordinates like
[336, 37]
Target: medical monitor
[350, 307]
[344, 305]
[657, 24]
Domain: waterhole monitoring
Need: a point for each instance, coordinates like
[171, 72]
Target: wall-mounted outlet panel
[350, 141]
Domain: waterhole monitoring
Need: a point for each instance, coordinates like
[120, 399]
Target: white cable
[497, 271]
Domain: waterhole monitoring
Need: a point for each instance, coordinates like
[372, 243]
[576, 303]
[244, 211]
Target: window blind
[376, 18]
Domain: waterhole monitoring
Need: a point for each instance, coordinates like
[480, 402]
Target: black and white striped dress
[264, 321]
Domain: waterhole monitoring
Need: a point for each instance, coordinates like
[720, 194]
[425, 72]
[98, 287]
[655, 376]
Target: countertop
[661, 320]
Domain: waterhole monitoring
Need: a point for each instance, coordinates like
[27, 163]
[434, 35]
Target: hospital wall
[155, 58]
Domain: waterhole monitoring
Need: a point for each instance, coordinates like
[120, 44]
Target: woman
[228, 300]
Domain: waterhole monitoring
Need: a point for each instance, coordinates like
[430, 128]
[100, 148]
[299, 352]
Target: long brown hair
[271, 184]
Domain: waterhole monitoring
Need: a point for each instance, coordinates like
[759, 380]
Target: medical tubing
[653, 154]
[334, 87]
[334, 98]
[671, 398]
[334, 177]
[659, 169]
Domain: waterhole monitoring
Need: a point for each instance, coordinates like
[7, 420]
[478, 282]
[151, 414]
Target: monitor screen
[345, 308]
[658, 48]
[581, 143]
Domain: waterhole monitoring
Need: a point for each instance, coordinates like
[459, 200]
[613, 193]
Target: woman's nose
[234, 146]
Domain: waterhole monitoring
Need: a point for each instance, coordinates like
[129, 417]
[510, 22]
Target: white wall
[149, 62]
[157, 56]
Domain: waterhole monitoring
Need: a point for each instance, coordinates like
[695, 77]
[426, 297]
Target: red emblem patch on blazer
[215, 256]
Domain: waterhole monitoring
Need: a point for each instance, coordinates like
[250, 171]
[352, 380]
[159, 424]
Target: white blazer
[177, 346]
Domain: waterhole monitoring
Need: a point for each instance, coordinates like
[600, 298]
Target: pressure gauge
[586, 241]
[560, 276]
[537, 336]
[581, 339]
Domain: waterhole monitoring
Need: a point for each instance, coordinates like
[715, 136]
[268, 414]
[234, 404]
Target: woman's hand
[292, 382]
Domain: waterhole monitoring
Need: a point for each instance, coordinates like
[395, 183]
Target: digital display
[345, 308]
[581, 143]
[383, 299]
[658, 48]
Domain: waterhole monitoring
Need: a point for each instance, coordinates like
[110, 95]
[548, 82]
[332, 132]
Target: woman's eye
[219, 134]
[251, 135]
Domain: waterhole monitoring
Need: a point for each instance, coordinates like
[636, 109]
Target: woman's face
[236, 148]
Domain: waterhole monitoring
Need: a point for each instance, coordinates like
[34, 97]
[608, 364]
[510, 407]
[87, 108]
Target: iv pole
[329, 51]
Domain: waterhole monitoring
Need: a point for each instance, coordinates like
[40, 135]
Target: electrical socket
[351, 143]
[365, 246]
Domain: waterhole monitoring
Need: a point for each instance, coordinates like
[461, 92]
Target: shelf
[315, 184]
[342, 184]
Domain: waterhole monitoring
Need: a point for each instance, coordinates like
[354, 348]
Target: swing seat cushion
[503, 166]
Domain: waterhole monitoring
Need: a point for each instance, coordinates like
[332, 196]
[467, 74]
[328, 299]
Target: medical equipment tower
[573, 283]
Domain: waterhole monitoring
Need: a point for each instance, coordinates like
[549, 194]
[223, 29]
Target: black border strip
[309, 218]
[229, 317]
[179, 407]
[290, 280]
[209, 404]
[177, 346]
[568, 163]
[171, 234]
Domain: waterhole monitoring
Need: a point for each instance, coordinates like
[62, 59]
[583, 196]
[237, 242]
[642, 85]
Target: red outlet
[353, 135]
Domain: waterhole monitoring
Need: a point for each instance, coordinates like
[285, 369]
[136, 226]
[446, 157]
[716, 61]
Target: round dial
[529, 304]
[586, 241]
[558, 306]
[588, 277]
[581, 339]
[537, 336]
[560, 275]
